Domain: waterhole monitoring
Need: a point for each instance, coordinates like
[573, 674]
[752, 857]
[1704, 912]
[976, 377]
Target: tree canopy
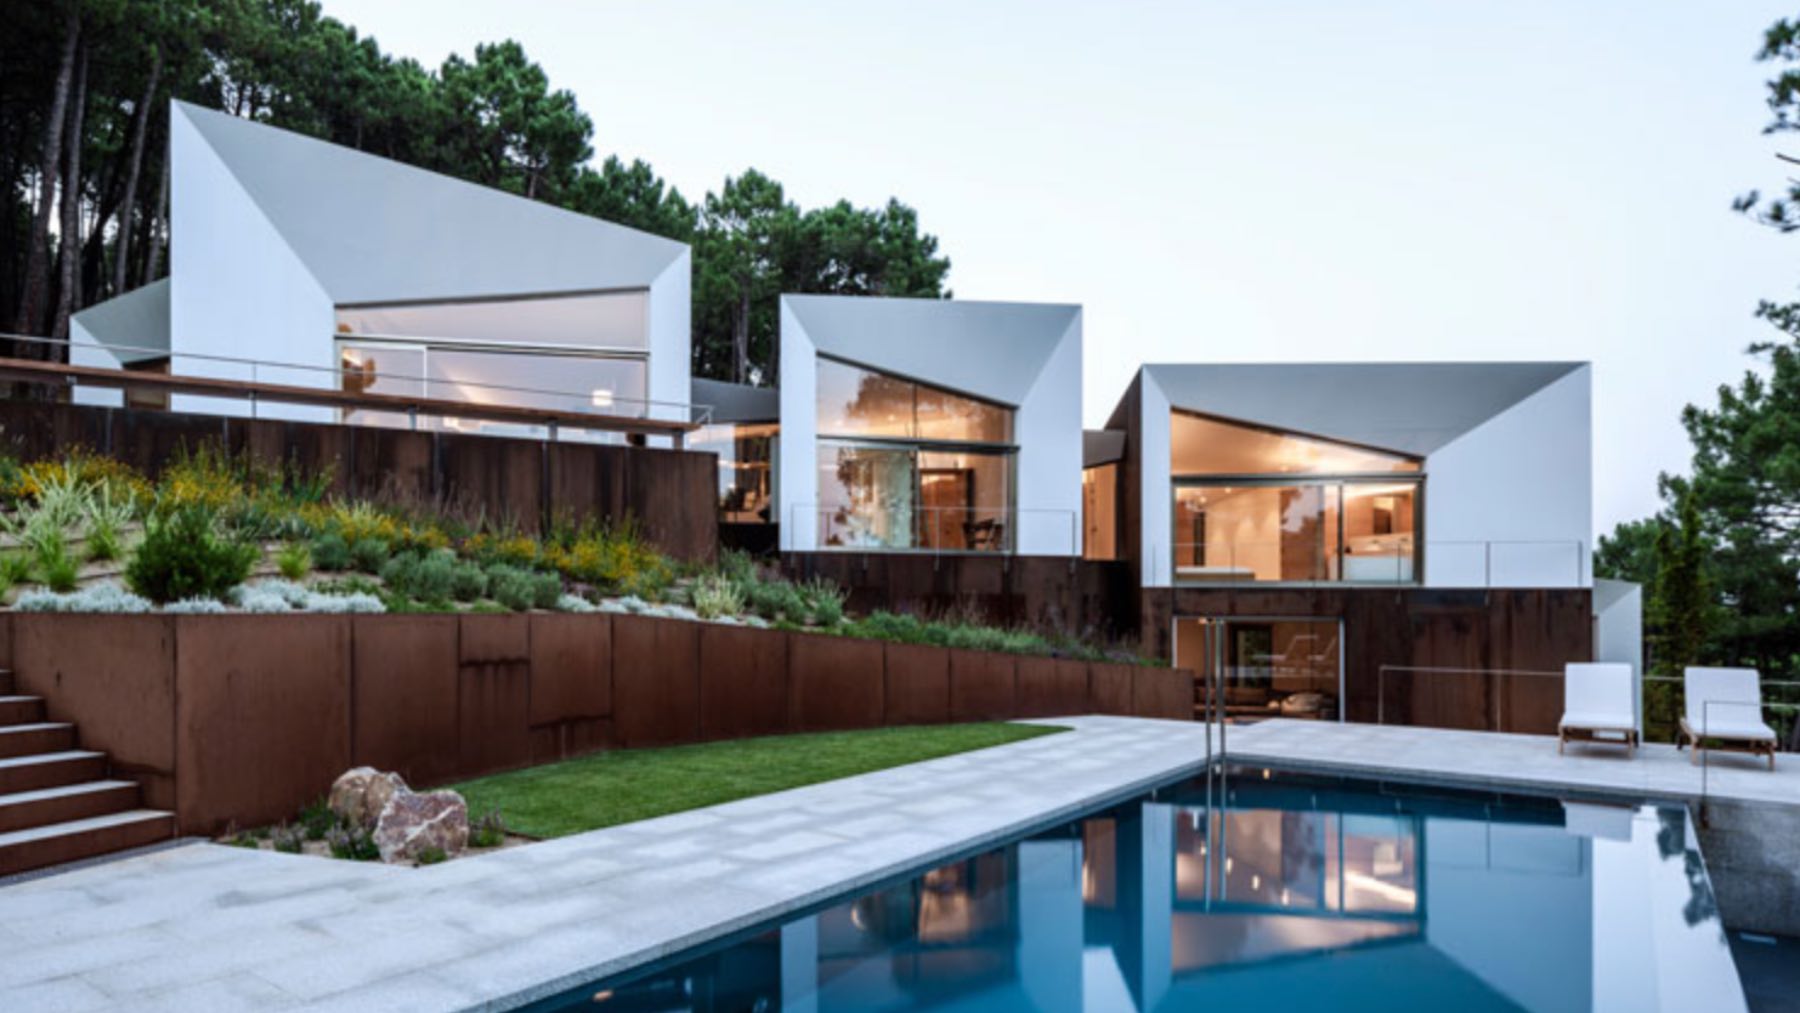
[1721, 560]
[84, 91]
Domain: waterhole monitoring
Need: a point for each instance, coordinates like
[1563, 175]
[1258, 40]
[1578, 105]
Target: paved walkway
[1515, 761]
[208, 926]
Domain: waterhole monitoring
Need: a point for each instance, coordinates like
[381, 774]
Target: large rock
[358, 796]
[414, 823]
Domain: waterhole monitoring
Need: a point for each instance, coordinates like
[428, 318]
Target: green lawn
[605, 789]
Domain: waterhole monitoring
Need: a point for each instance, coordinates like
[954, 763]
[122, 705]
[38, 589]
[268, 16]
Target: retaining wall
[244, 718]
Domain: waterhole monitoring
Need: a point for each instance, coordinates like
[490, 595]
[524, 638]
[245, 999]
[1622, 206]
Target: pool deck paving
[207, 926]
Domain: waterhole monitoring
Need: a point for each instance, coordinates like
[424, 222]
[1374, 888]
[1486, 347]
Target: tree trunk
[122, 256]
[157, 225]
[68, 295]
[740, 335]
[37, 263]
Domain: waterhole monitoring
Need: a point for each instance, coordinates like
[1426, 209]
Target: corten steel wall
[671, 493]
[1079, 597]
[244, 718]
[1536, 630]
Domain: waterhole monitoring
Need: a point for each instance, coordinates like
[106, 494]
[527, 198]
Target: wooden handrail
[125, 379]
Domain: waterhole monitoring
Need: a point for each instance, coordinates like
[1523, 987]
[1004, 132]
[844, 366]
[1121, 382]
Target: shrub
[351, 843]
[317, 820]
[512, 587]
[467, 581]
[575, 603]
[430, 578]
[714, 595]
[293, 560]
[368, 554]
[345, 603]
[107, 515]
[353, 584]
[183, 556]
[96, 598]
[489, 831]
[288, 839]
[196, 606]
[432, 855]
[330, 552]
[56, 565]
[824, 601]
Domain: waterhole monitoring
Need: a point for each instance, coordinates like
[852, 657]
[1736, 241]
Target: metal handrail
[796, 511]
[1409, 567]
[704, 416]
[1499, 712]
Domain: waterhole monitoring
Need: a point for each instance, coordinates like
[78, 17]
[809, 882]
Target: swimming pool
[1252, 888]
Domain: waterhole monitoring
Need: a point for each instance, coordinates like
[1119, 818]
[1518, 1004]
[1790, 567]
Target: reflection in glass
[600, 320]
[1206, 446]
[1241, 891]
[1286, 668]
[932, 473]
[381, 369]
[1313, 531]
[746, 457]
[861, 402]
[866, 496]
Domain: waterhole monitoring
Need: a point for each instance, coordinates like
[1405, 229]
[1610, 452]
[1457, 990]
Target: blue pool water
[1254, 889]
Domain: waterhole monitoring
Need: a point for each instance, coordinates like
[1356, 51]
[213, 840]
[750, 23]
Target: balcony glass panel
[963, 499]
[569, 383]
[866, 497]
[381, 369]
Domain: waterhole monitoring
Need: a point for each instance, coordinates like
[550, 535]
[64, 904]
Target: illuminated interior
[1253, 505]
[746, 468]
[906, 466]
[577, 354]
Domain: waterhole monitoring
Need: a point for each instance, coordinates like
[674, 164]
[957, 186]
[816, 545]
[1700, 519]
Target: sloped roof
[993, 350]
[1410, 407]
[133, 326]
[1102, 446]
[371, 229]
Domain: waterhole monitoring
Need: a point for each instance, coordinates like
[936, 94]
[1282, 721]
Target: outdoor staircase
[56, 802]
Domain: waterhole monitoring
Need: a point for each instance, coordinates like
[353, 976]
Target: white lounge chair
[1725, 704]
[1597, 705]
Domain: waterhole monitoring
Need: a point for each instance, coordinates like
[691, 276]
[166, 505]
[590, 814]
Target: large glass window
[1255, 505]
[907, 466]
[576, 354]
[595, 320]
[746, 468]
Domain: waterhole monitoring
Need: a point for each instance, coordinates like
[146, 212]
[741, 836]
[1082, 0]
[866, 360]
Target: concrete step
[39, 807]
[22, 850]
[21, 710]
[49, 770]
[40, 737]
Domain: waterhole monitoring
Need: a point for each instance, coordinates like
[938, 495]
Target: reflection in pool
[1256, 889]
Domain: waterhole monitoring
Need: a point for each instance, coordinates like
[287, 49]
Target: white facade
[1504, 452]
[1022, 356]
[273, 233]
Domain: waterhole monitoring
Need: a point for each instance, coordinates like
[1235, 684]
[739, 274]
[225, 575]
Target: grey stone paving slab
[204, 927]
[210, 927]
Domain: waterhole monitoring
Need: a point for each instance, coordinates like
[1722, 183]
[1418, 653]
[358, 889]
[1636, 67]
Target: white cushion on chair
[1598, 695]
[1725, 703]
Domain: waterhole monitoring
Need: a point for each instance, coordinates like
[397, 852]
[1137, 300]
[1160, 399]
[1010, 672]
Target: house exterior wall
[1046, 430]
[237, 289]
[671, 339]
[1510, 503]
[1507, 504]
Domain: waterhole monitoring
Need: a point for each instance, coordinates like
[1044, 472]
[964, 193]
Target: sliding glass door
[1255, 668]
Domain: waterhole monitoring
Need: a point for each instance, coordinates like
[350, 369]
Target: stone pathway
[208, 926]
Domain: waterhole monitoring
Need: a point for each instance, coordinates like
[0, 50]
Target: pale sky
[1247, 181]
